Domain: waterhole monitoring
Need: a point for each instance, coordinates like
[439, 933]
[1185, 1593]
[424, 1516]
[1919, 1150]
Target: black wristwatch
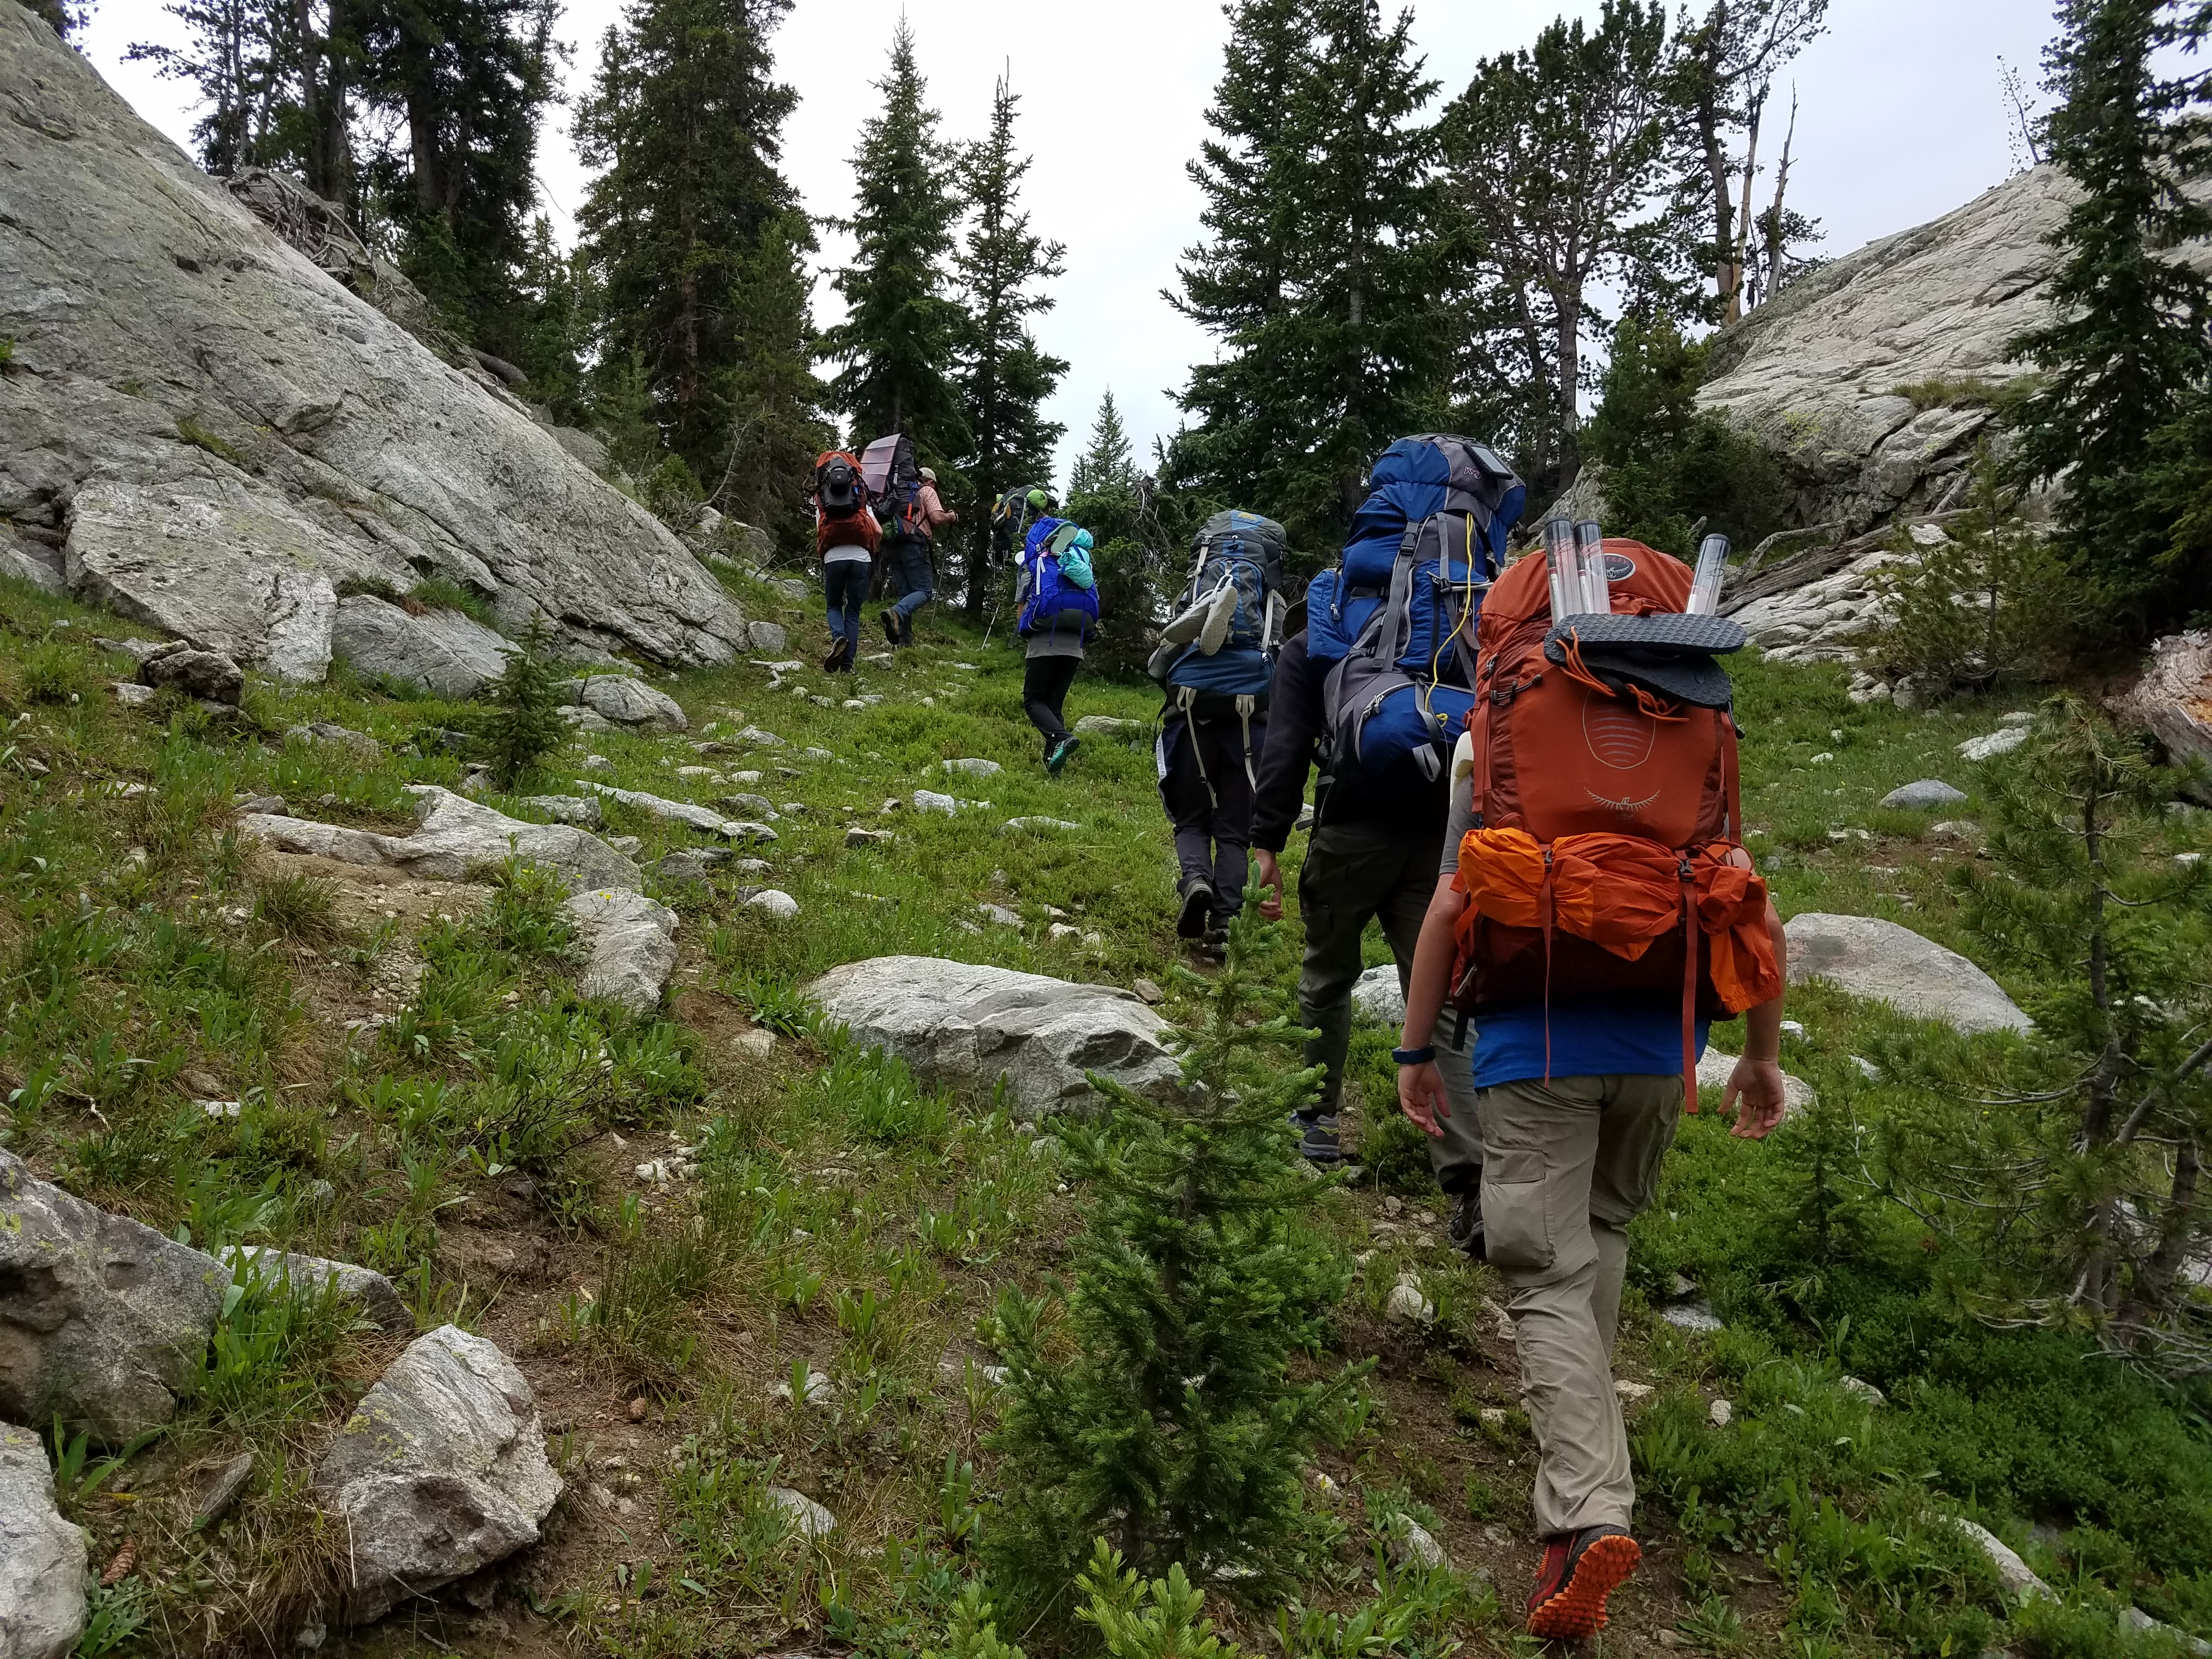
[1413, 1056]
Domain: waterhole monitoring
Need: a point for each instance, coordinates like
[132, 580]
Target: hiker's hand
[1421, 1096]
[1271, 881]
[1754, 1093]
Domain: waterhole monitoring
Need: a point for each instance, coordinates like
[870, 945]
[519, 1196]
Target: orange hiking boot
[1580, 1570]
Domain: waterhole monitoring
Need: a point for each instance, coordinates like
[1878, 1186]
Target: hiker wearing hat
[1056, 605]
[1594, 912]
[907, 557]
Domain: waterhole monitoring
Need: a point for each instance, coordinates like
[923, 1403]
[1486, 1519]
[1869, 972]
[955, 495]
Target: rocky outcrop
[681, 812]
[439, 1472]
[102, 1321]
[630, 943]
[628, 701]
[1871, 376]
[458, 838]
[970, 1025]
[1883, 962]
[42, 1557]
[441, 651]
[219, 433]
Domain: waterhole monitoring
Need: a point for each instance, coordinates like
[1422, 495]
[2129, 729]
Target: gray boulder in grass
[103, 1321]
[628, 701]
[1924, 794]
[42, 1557]
[632, 946]
[307, 1275]
[458, 838]
[439, 1472]
[968, 1025]
[1871, 957]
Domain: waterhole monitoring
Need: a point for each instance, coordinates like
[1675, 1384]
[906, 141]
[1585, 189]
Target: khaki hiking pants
[1355, 873]
[1567, 1168]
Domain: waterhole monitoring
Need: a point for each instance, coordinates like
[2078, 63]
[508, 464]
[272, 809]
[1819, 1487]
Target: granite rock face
[1818, 370]
[440, 1471]
[42, 1557]
[970, 1026]
[102, 1321]
[444, 652]
[631, 943]
[219, 433]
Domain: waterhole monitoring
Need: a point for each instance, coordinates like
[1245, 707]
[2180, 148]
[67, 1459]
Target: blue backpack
[1396, 614]
[1228, 624]
[1049, 599]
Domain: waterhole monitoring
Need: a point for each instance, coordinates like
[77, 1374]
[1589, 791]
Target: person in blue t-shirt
[1573, 1134]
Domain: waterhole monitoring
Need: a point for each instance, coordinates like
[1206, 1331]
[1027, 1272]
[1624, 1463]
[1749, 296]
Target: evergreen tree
[279, 81]
[1322, 279]
[2125, 353]
[465, 82]
[525, 725]
[1004, 377]
[1559, 153]
[776, 425]
[1166, 1419]
[902, 328]
[1107, 496]
[551, 332]
[684, 121]
[64, 18]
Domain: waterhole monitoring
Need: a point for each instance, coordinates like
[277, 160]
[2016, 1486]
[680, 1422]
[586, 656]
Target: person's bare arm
[1421, 1088]
[1754, 1091]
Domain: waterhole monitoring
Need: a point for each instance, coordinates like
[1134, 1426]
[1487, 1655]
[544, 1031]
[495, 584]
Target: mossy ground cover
[420, 1086]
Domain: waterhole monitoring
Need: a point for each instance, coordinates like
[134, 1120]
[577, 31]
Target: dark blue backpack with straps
[1396, 614]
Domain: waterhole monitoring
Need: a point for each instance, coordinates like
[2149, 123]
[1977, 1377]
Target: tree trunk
[1568, 300]
[1725, 282]
[1775, 245]
[2155, 1279]
[1743, 214]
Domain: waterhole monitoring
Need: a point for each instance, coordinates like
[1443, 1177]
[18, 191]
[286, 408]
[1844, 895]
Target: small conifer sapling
[1163, 1416]
[525, 724]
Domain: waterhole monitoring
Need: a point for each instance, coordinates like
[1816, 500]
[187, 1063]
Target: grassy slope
[479, 1143]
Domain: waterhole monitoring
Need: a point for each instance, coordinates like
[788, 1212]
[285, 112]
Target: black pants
[1045, 681]
[1212, 829]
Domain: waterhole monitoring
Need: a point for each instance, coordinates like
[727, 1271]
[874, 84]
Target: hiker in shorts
[1371, 856]
[907, 559]
[1055, 605]
[1585, 1055]
[845, 537]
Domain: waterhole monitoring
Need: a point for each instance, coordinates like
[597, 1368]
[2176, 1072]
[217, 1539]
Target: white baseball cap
[929, 473]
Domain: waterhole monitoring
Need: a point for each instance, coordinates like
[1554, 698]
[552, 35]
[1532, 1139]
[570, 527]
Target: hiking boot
[1056, 753]
[1581, 1569]
[1317, 1141]
[1197, 907]
[1465, 1228]
[1214, 947]
[891, 621]
[840, 658]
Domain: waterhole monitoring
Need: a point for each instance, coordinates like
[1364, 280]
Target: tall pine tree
[465, 82]
[1004, 376]
[1322, 277]
[1108, 496]
[901, 327]
[685, 122]
[2125, 356]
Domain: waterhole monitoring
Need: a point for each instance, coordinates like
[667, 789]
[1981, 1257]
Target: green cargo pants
[1355, 873]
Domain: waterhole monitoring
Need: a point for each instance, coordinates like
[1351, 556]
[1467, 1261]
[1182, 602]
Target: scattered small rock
[223, 1487]
[306, 1275]
[1412, 1544]
[1862, 1390]
[1150, 992]
[856, 836]
[1406, 1305]
[1630, 1392]
[1000, 913]
[1377, 999]
[808, 1518]
[818, 1389]
[1106, 726]
[42, 1564]
[1720, 1413]
[131, 695]
[582, 810]
[973, 769]
[632, 944]
[775, 901]
[1034, 825]
[928, 800]
[759, 1044]
[628, 701]
[207, 675]
[1694, 1316]
[1989, 745]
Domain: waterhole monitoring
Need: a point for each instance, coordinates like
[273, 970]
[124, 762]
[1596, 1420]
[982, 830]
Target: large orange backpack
[1607, 828]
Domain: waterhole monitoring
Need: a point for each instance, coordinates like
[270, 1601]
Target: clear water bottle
[1560, 566]
[1713, 567]
[1598, 592]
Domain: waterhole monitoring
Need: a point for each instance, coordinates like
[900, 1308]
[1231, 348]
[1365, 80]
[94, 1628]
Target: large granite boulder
[42, 1557]
[629, 702]
[1883, 962]
[444, 652]
[459, 838]
[220, 433]
[1821, 371]
[439, 1472]
[103, 1321]
[970, 1026]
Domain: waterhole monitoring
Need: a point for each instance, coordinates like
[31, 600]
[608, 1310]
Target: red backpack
[1605, 809]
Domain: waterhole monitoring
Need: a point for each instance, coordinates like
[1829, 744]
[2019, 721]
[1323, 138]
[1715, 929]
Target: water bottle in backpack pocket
[1050, 597]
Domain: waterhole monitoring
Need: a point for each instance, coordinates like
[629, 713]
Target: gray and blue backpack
[1217, 657]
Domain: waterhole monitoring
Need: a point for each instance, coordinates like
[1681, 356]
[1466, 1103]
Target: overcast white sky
[1901, 119]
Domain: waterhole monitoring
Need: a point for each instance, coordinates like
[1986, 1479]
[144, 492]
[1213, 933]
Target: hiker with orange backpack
[1595, 910]
[845, 537]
